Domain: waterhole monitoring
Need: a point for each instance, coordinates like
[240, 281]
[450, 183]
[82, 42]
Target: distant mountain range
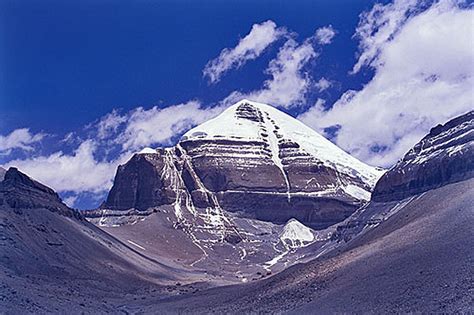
[255, 199]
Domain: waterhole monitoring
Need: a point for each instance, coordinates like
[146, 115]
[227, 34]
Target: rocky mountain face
[445, 155]
[252, 160]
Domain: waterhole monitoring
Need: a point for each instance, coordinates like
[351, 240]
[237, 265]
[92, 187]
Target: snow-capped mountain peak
[251, 121]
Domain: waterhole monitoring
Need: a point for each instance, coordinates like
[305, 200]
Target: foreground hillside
[52, 259]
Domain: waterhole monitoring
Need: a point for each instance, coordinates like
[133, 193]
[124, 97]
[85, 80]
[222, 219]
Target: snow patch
[357, 192]
[296, 234]
[135, 244]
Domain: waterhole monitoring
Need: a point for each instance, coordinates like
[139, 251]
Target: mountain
[253, 160]
[249, 191]
[408, 250]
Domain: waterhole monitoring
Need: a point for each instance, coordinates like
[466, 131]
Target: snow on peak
[246, 121]
[296, 234]
[146, 151]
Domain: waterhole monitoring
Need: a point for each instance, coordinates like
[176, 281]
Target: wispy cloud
[161, 125]
[378, 26]
[324, 35]
[424, 74]
[323, 84]
[290, 82]
[250, 47]
[109, 124]
[19, 139]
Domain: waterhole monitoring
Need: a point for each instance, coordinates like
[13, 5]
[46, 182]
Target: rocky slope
[419, 260]
[442, 157]
[50, 255]
[18, 191]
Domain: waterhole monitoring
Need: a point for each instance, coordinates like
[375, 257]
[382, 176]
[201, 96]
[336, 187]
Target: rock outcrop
[19, 191]
[444, 156]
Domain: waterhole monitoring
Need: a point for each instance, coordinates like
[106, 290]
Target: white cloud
[70, 201]
[77, 172]
[250, 47]
[378, 26]
[19, 139]
[83, 172]
[324, 35]
[288, 84]
[323, 84]
[109, 123]
[424, 73]
[160, 125]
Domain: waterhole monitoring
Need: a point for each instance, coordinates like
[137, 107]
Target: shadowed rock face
[139, 184]
[253, 160]
[445, 155]
[19, 191]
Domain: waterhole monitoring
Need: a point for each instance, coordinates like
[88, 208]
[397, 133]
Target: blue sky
[85, 84]
[76, 61]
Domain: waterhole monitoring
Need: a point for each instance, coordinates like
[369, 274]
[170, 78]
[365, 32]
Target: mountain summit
[286, 139]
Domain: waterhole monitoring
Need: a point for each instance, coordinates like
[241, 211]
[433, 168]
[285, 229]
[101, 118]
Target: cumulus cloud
[160, 125]
[250, 47]
[19, 139]
[424, 68]
[324, 35]
[77, 172]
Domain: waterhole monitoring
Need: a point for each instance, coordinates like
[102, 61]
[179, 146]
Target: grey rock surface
[445, 155]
